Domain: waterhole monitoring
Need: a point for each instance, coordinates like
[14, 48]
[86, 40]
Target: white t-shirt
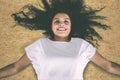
[55, 60]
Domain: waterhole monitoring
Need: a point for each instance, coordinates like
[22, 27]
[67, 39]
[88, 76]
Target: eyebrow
[58, 18]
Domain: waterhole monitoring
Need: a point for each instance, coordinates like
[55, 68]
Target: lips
[61, 29]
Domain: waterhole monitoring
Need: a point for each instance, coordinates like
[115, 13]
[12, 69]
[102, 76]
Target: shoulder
[36, 43]
[86, 49]
[83, 43]
[77, 39]
[80, 40]
[40, 40]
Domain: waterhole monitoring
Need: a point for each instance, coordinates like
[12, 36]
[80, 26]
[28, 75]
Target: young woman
[61, 56]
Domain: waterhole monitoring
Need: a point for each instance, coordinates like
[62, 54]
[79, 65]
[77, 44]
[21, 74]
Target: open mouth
[61, 29]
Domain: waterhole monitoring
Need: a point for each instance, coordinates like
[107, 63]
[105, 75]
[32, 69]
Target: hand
[105, 64]
[14, 67]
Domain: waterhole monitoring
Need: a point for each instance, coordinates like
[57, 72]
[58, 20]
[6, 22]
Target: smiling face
[61, 26]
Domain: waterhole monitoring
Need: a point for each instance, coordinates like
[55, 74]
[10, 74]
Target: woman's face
[61, 25]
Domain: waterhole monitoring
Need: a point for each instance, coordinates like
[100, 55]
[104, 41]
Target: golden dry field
[13, 40]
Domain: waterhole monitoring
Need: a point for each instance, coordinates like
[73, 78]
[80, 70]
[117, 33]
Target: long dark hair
[82, 18]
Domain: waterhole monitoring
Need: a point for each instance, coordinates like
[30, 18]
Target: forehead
[61, 15]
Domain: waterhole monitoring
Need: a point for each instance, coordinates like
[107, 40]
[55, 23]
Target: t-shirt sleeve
[33, 51]
[89, 50]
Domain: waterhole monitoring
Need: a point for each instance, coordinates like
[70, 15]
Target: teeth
[61, 29]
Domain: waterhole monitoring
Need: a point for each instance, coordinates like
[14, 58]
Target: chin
[63, 36]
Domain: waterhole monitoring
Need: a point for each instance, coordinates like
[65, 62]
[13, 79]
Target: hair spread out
[82, 18]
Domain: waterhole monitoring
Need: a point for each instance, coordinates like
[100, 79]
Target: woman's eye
[66, 22]
[56, 22]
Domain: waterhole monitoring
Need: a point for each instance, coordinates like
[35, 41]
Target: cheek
[53, 27]
[69, 27]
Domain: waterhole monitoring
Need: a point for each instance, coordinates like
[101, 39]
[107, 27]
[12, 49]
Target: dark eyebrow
[58, 18]
[67, 18]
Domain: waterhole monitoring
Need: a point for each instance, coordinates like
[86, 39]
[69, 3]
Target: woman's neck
[66, 39]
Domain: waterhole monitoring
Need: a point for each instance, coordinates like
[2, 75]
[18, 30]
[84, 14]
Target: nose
[61, 23]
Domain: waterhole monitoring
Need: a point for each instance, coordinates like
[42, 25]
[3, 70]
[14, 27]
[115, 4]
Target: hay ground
[14, 40]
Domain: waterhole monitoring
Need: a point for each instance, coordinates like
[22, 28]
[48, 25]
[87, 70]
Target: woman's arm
[107, 65]
[14, 67]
